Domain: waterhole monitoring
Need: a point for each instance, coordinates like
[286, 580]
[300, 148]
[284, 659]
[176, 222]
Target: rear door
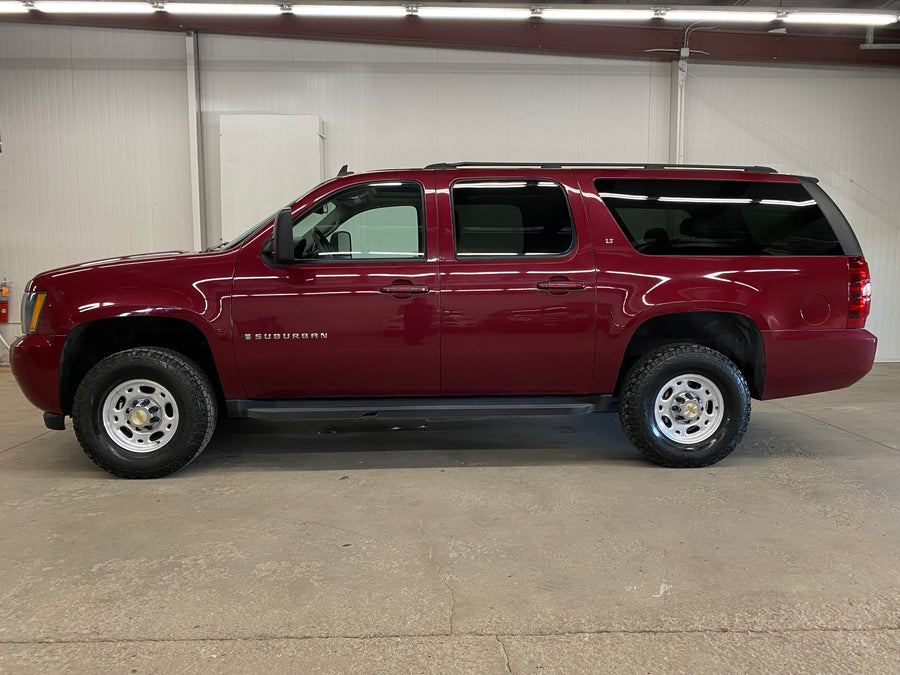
[517, 284]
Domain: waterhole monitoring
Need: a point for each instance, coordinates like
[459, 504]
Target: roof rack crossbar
[595, 165]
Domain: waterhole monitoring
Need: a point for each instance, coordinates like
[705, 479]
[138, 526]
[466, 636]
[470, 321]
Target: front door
[358, 312]
[518, 312]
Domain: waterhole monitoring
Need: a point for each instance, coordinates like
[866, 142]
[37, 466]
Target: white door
[266, 161]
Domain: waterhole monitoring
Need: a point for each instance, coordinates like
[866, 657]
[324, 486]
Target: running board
[482, 406]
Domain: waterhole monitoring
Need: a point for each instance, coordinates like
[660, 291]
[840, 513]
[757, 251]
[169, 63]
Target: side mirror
[283, 252]
[341, 242]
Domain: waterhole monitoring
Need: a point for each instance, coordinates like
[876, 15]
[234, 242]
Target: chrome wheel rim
[689, 409]
[140, 415]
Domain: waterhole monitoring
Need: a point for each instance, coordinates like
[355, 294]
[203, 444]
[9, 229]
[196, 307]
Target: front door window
[373, 221]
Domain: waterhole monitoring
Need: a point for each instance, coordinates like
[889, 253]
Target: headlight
[32, 304]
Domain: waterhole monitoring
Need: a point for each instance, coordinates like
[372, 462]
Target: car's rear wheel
[144, 413]
[684, 405]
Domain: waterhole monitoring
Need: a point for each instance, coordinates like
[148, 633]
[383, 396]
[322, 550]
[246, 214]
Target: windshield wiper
[216, 247]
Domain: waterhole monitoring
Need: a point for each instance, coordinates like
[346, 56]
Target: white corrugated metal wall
[407, 106]
[96, 156]
[95, 159]
[841, 125]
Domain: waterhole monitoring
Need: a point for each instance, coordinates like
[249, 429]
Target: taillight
[860, 293]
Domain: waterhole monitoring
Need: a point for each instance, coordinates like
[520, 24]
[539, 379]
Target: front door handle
[404, 289]
[560, 285]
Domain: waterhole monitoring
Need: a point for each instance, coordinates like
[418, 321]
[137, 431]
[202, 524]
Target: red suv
[674, 293]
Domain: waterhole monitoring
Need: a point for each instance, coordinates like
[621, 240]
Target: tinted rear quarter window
[714, 217]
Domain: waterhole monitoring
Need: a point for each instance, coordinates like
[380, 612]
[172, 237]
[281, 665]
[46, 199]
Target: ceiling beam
[526, 36]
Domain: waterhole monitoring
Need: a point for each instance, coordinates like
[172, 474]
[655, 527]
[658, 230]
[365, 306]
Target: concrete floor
[543, 545]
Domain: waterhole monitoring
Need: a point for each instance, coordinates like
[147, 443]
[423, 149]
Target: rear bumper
[808, 361]
[34, 360]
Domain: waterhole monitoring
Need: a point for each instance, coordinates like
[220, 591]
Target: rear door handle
[404, 289]
[560, 285]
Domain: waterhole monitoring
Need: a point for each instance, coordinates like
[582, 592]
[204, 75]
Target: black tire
[711, 419]
[176, 405]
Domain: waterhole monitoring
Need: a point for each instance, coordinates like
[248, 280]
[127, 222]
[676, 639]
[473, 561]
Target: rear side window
[502, 218]
[688, 217]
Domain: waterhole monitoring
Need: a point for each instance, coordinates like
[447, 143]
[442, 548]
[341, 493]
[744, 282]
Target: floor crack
[21, 443]
[505, 653]
[413, 636]
[443, 578]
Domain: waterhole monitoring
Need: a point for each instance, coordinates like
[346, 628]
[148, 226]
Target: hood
[119, 261]
[171, 283]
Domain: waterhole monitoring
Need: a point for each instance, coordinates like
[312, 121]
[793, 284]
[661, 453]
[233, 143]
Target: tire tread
[197, 382]
[630, 411]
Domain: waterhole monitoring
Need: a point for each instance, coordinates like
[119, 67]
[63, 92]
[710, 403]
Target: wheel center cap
[691, 410]
[138, 417]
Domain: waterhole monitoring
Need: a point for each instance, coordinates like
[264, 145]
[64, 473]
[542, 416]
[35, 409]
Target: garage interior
[539, 545]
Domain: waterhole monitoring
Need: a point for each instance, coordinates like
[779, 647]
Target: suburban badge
[285, 336]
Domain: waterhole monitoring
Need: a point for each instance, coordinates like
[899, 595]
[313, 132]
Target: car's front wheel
[684, 405]
[144, 413]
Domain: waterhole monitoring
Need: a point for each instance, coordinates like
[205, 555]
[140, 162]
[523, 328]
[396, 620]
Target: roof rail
[594, 165]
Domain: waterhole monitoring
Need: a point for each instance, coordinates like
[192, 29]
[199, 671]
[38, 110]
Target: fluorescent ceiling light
[841, 18]
[220, 8]
[12, 8]
[598, 14]
[473, 13]
[722, 16]
[94, 7]
[349, 10]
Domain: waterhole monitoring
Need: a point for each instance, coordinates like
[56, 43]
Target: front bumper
[34, 360]
[809, 361]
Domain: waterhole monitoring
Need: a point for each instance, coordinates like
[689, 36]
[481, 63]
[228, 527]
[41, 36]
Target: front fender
[194, 288]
